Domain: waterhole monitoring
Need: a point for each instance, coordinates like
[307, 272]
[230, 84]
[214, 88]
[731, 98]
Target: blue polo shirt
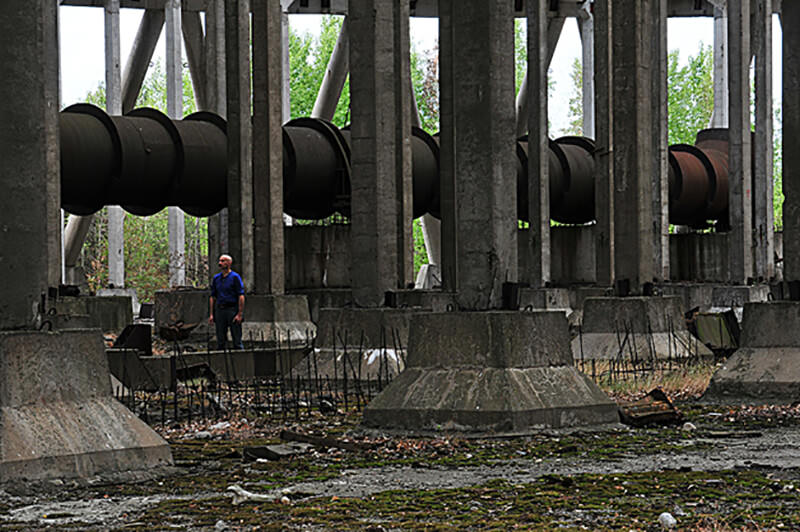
[226, 290]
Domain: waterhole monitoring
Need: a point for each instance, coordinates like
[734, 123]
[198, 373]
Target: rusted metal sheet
[653, 409]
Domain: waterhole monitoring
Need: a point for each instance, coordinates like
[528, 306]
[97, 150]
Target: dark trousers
[223, 319]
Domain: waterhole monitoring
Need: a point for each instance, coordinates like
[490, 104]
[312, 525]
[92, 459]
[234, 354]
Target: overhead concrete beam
[144, 45]
[194, 42]
[554, 27]
[330, 91]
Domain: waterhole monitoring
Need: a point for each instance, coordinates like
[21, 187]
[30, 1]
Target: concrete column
[381, 129]
[478, 174]
[403, 154]
[635, 100]
[29, 160]
[268, 248]
[240, 160]
[604, 133]
[763, 216]
[660, 183]
[138, 62]
[719, 117]
[286, 112]
[330, 91]
[554, 27]
[116, 216]
[176, 226]
[740, 237]
[790, 21]
[214, 45]
[586, 29]
[538, 148]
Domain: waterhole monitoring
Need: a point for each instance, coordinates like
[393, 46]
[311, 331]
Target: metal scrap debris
[655, 408]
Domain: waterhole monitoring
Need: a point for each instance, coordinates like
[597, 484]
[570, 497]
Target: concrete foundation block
[545, 298]
[767, 367]
[635, 328]
[319, 298]
[108, 313]
[489, 372]
[266, 318]
[757, 375]
[57, 427]
[379, 327]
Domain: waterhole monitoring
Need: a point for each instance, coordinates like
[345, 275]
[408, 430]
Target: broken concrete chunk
[276, 452]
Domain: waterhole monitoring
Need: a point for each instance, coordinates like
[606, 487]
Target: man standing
[226, 304]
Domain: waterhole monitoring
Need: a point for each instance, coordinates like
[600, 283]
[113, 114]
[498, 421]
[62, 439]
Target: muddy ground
[731, 468]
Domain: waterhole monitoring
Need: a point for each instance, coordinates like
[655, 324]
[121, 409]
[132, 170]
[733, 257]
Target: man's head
[225, 262]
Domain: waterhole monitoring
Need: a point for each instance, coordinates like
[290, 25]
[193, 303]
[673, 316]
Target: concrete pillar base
[489, 372]
[267, 318]
[766, 369]
[52, 427]
[639, 328]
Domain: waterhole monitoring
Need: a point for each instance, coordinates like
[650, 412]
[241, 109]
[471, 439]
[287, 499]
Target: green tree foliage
[575, 126]
[308, 60]
[691, 94]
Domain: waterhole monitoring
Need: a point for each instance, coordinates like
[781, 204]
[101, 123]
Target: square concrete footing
[58, 418]
[635, 328]
[489, 372]
[268, 319]
[766, 369]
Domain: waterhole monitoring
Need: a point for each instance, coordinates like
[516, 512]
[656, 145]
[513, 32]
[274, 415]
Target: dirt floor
[719, 468]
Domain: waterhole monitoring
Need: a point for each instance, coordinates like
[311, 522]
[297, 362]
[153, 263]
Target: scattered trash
[241, 495]
[677, 510]
[653, 409]
[221, 525]
[688, 427]
[286, 500]
[666, 520]
[319, 441]
[201, 435]
[222, 425]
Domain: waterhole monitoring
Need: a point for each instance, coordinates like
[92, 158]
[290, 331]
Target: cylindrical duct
[557, 169]
[143, 161]
[90, 158]
[691, 185]
[425, 169]
[316, 168]
[576, 205]
[714, 144]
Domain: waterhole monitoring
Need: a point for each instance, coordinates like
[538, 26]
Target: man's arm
[238, 317]
[211, 301]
